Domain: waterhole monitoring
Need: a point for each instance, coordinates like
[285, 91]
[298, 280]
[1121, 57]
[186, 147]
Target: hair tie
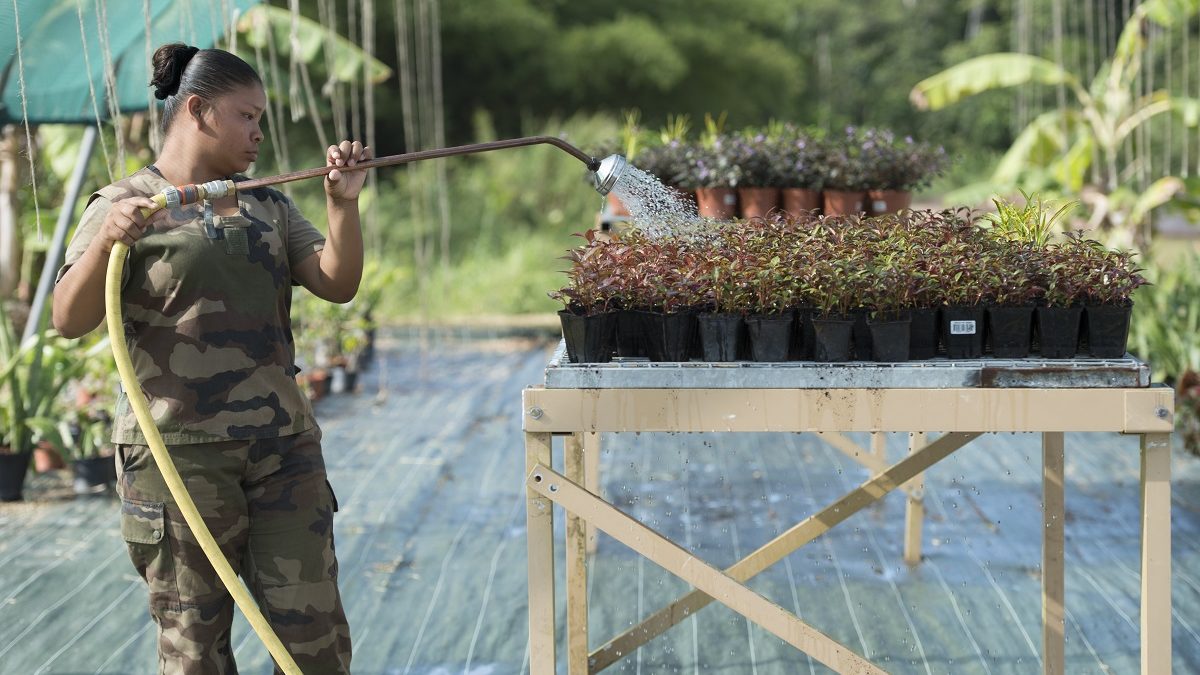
[179, 61]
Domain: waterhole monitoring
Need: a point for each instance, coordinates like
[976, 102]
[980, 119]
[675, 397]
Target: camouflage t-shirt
[207, 311]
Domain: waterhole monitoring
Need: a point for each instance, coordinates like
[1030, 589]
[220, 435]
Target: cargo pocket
[143, 527]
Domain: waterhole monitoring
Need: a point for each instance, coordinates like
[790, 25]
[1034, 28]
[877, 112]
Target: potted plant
[1063, 276]
[890, 289]
[32, 377]
[800, 160]
[834, 286]
[726, 298]
[715, 177]
[587, 323]
[1013, 291]
[844, 184]
[1108, 299]
[758, 191]
[963, 294]
[770, 319]
[895, 168]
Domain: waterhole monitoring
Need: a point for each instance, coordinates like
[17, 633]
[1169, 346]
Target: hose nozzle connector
[609, 173]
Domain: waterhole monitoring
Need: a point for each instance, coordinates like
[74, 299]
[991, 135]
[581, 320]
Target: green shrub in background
[1165, 331]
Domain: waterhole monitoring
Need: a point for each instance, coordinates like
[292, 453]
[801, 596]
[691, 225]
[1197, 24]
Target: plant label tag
[879, 206]
[962, 327]
[730, 199]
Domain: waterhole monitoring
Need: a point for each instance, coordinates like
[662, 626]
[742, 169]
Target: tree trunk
[10, 225]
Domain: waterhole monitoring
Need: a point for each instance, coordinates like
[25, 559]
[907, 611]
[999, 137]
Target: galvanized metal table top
[936, 373]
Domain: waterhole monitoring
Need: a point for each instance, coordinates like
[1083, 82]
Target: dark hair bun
[169, 62]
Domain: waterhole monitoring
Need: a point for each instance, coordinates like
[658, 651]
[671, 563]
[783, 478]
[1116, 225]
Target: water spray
[606, 174]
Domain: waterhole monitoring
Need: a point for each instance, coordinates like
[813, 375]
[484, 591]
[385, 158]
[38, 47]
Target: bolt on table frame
[1031, 397]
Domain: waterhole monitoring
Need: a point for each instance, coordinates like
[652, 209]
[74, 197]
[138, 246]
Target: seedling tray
[939, 373]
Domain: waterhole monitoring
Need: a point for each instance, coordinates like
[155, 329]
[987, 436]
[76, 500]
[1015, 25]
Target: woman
[206, 299]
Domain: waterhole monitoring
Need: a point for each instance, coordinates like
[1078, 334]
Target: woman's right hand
[125, 222]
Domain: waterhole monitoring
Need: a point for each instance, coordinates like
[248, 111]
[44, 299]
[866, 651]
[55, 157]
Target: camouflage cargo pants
[270, 508]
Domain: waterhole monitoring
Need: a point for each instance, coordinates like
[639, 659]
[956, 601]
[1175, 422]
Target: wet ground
[427, 462]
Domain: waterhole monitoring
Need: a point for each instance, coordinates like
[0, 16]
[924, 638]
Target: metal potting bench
[958, 399]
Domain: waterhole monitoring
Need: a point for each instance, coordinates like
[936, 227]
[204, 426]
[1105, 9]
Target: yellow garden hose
[141, 409]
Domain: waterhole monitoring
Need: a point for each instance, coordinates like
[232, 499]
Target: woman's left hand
[343, 183]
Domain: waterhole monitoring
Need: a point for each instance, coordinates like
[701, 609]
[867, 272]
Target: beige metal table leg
[539, 523]
[1156, 554]
[914, 506]
[1053, 513]
[577, 600]
[591, 478]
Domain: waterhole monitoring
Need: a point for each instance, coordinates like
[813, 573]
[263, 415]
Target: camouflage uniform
[206, 302]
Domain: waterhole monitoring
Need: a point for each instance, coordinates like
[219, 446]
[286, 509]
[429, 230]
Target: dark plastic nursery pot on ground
[720, 336]
[1108, 330]
[832, 339]
[1058, 331]
[1010, 330]
[890, 337]
[669, 336]
[923, 333]
[770, 336]
[962, 332]
[94, 474]
[13, 468]
[757, 202]
[589, 338]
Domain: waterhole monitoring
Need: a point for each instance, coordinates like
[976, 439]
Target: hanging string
[110, 84]
[1089, 30]
[279, 133]
[411, 141]
[270, 110]
[1057, 21]
[355, 112]
[37, 210]
[368, 44]
[1184, 163]
[1169, 122]
[332, 89]
[87, 64]
[151, 103]
[404, 67]
[295, 103]
[439, 127]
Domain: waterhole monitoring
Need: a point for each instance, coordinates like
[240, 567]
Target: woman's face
[234, 130]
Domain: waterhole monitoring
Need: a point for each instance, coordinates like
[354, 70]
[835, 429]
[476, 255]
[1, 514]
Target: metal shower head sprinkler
[608, 173]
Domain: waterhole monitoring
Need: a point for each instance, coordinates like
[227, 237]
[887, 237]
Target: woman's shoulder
[142, 183]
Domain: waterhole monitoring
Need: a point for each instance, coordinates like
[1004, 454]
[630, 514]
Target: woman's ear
[195, 107]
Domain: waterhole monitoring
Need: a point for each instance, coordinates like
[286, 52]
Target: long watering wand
[605, 172]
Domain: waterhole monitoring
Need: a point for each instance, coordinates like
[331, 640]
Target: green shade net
[53, 47]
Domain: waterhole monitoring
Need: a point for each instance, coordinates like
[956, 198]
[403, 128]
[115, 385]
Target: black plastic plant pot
[1011, 330]
[629, 337]
[1058, 331]
[832, 339]
[890, 339]
[720, 336]
[13, 468]
[923, 333]
[669, 336]
[589, 338]
[802, 335]
[770, 336]
[860, 342]
[1108, 330]
[962, 332]
[93, 474]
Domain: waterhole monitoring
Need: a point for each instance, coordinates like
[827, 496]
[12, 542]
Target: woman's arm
[333, 273]
[78, 300]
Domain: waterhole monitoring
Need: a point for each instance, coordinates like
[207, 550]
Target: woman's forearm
[342, 257]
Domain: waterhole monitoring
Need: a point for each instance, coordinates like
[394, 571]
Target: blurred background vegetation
[482, 235]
